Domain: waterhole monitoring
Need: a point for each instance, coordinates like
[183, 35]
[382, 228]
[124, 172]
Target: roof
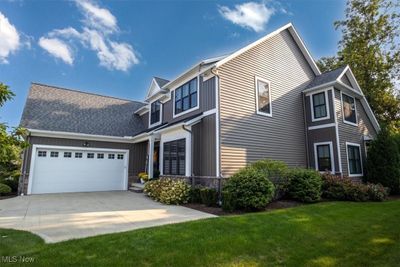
[161, 82]
[326, 77]
[53, 108]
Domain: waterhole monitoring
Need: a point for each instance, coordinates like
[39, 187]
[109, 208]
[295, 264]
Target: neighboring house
[267, 100]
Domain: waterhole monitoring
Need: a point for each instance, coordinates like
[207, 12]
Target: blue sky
[116, 47]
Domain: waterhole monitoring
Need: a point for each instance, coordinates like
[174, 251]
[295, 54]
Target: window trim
[198, 97]
[348, 162]
[256, 79]
[328, 115]
[330, 143]
[355, 109]
[161, 114]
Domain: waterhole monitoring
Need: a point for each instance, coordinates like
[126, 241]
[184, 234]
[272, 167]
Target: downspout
[306, 130]
[217, 124]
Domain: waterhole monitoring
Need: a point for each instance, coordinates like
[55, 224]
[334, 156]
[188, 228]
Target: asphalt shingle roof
[58, 109]
[161, 82]
[326, 77]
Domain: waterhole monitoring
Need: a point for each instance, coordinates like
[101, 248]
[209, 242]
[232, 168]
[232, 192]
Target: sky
[115, 47]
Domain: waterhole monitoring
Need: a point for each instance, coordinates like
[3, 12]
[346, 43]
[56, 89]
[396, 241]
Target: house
[266, 100]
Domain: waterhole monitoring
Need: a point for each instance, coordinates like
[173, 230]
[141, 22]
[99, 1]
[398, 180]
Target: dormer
[155, 90]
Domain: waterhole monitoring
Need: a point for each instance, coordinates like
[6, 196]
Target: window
[319, 106]
[42, 153]
[90, 155]
[174, 157]
[67, 154]
[54, 154]
[78, 155]
[100, 155]
[323, 156]
[185, 97]
[354, 159]
[111, 156]
[155, 112]
[120, 156]
[349, 109]
[263, 94]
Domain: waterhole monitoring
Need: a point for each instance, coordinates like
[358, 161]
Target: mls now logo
[14, 259]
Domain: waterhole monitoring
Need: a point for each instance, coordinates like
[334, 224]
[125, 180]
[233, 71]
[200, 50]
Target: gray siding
[207, 102]
[351, 133]
[246, 136]
[204, 147]
[331, 111]
[346, 80]
[135, 153]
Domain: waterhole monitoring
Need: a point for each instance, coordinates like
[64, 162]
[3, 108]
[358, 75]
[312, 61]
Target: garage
[71, 169]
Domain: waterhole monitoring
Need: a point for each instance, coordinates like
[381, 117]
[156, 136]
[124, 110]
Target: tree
[383, 161]
[11, 145]
[370, 46]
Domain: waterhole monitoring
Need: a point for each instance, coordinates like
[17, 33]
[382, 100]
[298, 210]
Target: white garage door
[57, 170]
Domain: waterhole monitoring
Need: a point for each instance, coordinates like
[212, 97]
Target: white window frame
[198, 97]
[348, 162]
[328, 115]
[161, 114]
[355, 109]
[256, 79]
[330, 143]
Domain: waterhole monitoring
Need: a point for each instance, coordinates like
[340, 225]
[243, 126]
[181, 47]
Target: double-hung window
[174, 157]
[155, 112]
[349, 109]
[354, 159]
[263, 94]
[323, 156]
[319, 106]
[186, 97]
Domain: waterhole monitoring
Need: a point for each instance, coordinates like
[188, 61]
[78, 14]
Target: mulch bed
[8, 196]
[279, 204]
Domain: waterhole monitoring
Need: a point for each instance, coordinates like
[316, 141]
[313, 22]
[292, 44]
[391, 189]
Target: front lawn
[324, 234]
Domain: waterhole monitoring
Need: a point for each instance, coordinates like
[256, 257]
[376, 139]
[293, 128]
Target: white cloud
[98, 29]
[251, 15]
[97, 17]
[9, 39]
[57, 48]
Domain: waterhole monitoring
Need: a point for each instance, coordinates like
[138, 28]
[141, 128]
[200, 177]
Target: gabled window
[324, 156]
[354, 159]
[155, 112]
[349, 109]
[319, 106]
[174, 157]
[263, 95]
[186, 97]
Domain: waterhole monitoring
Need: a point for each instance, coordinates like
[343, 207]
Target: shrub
[251, 187]
[209, 196]
[194, 194]
[383, 161]
[305, 185]
[277, 173]
[228, 201]
[4, 189]
[168, 191]
[143, 176]
[12, 182]
[343, 188]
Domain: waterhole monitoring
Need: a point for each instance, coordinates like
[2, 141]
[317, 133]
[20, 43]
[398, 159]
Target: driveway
[59, 217]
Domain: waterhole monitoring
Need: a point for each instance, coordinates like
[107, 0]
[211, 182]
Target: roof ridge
[84, 92]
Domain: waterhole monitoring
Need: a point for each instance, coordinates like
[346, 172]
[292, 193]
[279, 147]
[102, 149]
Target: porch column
[151, 155]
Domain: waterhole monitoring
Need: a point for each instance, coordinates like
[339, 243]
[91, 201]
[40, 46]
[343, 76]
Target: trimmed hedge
[305, 185]
[209, 196]
[251, 189]
[168, 191]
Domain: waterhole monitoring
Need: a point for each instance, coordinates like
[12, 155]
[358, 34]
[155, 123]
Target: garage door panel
[60, 174]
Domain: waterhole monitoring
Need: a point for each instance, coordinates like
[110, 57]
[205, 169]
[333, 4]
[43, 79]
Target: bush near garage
[168, 191]
[4, 189]
[305, 185]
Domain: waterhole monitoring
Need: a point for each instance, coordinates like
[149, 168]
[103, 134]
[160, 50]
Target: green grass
[325, 234]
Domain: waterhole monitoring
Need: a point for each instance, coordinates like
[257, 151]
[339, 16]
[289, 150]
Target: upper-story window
[349, 109]
[263, 94]
[319, 106]
[155, 112]
[186, 97]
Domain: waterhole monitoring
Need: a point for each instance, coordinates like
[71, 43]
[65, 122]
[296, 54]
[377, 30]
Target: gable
[153, 89]
[347, 77]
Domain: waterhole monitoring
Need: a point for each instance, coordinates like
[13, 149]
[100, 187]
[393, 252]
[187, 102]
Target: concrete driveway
[58, 217]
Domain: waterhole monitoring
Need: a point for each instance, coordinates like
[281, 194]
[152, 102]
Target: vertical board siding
[206, 97]
[351, 133]
[204, 147]
[246, 136]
